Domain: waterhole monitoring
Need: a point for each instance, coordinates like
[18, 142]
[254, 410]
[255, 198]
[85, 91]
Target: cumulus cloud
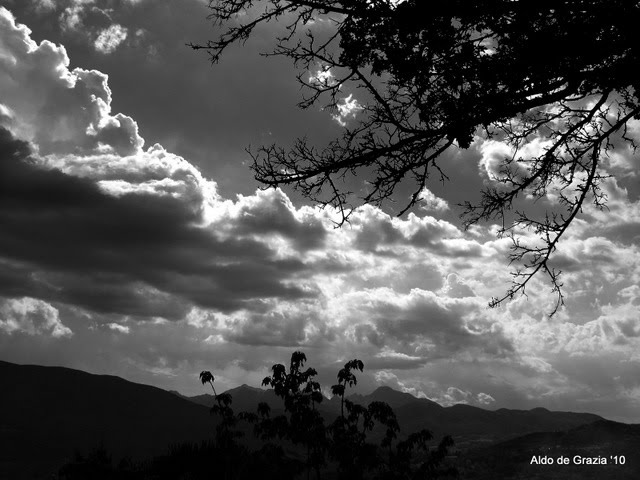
[110, 38]
[379, 231]
[436, 327]
[389, 379]
[32, 317]
[71, 17]
[59, 110]
[455, 287]
[431, 203]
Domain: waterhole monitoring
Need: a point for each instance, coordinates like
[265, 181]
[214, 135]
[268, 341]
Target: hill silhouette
[49, 412]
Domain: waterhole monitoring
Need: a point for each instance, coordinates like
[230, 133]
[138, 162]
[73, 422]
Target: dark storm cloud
[138, 254]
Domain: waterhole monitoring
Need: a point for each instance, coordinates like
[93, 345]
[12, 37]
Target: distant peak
[540, 409]
[246, 388]
[385, 388]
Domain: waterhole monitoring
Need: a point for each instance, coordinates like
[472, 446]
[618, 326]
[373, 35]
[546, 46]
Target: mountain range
[48, 413]
[468, 425]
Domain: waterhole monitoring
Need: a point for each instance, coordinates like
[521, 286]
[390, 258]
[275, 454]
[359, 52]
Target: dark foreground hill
[599, 450]
[46, 413]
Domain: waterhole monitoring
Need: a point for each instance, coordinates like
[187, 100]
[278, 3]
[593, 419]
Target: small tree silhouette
[226, 435]
[300, 394]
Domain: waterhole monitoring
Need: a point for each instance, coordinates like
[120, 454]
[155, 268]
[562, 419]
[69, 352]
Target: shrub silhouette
[342, 449]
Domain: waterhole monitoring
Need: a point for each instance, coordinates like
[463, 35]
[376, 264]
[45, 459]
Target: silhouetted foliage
[361, 443]
[98, 464]
[430, 76]
[344, 445]
[187, 461]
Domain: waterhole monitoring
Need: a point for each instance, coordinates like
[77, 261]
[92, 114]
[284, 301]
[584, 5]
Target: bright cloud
[347, 108]
[431, 203]
[32, 317]
[110, 38]
[116, 327]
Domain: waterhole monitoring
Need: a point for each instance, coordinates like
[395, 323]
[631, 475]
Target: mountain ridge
[56, 410]
[469, 425]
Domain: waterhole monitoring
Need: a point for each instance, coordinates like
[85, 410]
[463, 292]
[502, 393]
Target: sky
[135, 242]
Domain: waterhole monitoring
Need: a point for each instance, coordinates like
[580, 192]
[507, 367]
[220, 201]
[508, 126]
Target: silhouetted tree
[429, 76]
[301, 393]
[230, 452]
[345, 441]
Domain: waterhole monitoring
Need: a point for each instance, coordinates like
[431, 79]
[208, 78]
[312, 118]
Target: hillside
[48, 412]
[511, 460]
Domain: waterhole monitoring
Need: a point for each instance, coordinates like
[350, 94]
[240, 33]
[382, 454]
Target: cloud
[347, 108]
[70, 18]
[389, 359]
[378, 231]
[456, 288]
[136, 253]
[45, 5]
[323, 77]
[270, 212]
[110, 38]
[498, 159]
[128, 231]
[155, 266]
[454, 396]
[437, 327]
[32, 317]
[446, 396]
[430, 203]
[59, 110]
[116, 327]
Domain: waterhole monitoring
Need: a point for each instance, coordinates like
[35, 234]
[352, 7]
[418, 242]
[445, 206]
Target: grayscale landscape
[291, 239]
